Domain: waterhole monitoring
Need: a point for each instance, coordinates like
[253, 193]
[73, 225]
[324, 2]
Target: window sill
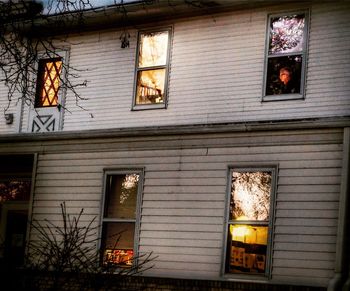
[148, 106]
[263, 278]
[282, 97]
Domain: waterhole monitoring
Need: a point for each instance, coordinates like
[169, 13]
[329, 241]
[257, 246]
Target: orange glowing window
[248, 225]
[152, 67]
[48, 83]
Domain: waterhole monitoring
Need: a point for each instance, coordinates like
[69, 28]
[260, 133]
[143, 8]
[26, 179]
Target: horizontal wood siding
[11, 108]
[216, 75]
[183, 201]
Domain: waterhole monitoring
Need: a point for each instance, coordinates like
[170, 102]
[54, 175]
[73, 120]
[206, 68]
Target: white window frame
[163, 105]
[267, 275]
[136, 220]
[303, 53]
[58, 110]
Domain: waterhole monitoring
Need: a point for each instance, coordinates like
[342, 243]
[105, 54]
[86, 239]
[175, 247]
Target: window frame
[136, 220]
[303, 53]
[270, 224]
[55, 113]
[163, 105]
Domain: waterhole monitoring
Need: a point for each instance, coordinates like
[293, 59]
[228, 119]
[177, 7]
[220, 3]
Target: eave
[137, 13]
[295, 124]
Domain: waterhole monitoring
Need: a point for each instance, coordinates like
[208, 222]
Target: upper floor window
[152, 69]
[249, 221]
[120, 216]
[48, 82]
[285, 57]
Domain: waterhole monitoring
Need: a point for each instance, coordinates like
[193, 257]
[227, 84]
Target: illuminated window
[152, 69]
[119, 218]
[286, 57]
[48, 82]
[249, 222]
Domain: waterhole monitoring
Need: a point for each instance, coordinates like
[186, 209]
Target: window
[249, 221]
[48, 82]
[120, 216]
[15, 190]
[152, 69]
[286, 57]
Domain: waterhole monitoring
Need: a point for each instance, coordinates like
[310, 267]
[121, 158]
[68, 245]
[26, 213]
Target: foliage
[286, 34]
[251, 195]
[28, 33]
[21, 48]
[66, 255]
[12, 190]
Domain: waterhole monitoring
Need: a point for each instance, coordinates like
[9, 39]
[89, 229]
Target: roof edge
[292, 124]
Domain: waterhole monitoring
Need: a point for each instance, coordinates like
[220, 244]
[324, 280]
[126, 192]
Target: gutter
[252, 126]
[342, 247]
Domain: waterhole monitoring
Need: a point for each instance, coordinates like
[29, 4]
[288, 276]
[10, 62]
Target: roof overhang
[138, 12]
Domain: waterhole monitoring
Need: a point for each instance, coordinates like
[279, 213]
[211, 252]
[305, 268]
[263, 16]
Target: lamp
[9, 118]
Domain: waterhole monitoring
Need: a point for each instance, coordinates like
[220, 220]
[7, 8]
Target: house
[217, 136]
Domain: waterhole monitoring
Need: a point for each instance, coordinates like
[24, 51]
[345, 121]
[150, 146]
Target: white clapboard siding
[13, 107]
[184, 195]
[216, 74]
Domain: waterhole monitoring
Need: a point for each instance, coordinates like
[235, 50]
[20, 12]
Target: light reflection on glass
[287, 34]
[121, 196]
[14, 190]
[250, 195]
[129, 186]
[153, 49]
[249, 234]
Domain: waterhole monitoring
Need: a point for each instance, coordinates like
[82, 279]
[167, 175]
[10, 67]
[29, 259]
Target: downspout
[335, 284]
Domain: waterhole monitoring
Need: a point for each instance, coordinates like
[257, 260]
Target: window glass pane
[286, 34]
[153, 49]
[150, 86]
[284, 75]
[250, 196]
[121, 196]
[118, 243]
[247, 248]
[48, 82]
[14, 190]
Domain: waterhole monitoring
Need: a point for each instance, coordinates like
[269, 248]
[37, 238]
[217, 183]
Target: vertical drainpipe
[347, 223]
[335, 284]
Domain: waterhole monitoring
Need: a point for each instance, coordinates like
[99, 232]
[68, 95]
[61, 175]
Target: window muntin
[48, 82]
[286, 53]
[248, 228]
[119, 218]
[152, 69]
